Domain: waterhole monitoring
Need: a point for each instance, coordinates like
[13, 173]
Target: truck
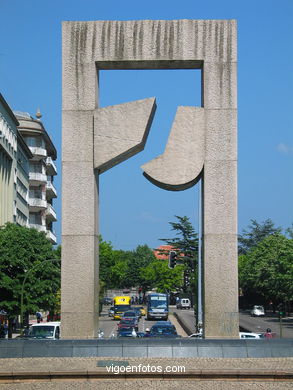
[157, 306]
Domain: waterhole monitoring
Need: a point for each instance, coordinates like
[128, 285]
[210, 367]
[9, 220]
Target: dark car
[163, 329]
[119, 310]
[125, 333]
[130, 314]
[137, 311]
[128, 323]
[107, 301]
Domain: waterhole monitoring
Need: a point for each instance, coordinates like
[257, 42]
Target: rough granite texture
[209, 45]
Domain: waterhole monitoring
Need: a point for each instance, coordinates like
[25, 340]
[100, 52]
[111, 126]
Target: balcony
[51, 167]
[40, 228]
[38, 152]
[50, 214]
[36, 204]
[36, 178]
[51, 236]
[50, 190]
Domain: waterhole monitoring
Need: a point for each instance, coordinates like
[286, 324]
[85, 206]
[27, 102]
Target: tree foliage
[158, 275]
[256, 233]
[23, 254]
[186, 242]
[267, 269]
[121, 269]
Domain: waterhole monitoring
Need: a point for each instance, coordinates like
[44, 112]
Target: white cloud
[285, 149]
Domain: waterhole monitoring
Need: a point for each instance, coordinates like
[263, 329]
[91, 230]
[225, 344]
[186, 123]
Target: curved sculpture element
[121, 131]
[181, 164]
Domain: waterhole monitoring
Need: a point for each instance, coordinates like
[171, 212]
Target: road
[247, 323]
[260, 324]
[109, 326]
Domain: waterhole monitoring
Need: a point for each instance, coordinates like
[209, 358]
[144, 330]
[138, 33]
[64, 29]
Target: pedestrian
[39, 317]
[268, 334]
[2, 331]
[147, 332]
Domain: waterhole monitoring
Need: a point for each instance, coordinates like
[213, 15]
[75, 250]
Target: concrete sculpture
[95, 139]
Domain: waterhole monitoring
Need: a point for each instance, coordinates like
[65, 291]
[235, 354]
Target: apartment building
[14, 169]
[42, 171]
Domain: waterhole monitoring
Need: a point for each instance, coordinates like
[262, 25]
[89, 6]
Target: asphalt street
[248, 323]
[109, 325]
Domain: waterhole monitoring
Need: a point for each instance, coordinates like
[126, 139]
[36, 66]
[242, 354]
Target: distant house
[162, 252]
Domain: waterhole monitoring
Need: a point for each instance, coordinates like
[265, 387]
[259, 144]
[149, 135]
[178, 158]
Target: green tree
[186, 246]
[289, 231]
[256, 233]
[158, 275]
[267, 270]
[186, 242]
[23, 253]
[137, 262]
[106, 259]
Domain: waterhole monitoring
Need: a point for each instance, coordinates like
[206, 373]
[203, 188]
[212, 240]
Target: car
[119, 310]
[128, 323]
[45, 330]
[107, 301]
[137, 311]
[183, 303]
[111, 311]
[127, 333]
[142, 310]
[163, 329]
[257, 311]
[250, 335]
[130, 314]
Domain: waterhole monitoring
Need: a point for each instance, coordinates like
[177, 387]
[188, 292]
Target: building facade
[42, 171]
[14, 169]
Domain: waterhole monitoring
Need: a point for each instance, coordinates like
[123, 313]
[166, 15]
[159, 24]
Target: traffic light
[172, 259]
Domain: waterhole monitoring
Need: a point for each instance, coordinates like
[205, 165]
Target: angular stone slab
[121, 131]
[182, 162]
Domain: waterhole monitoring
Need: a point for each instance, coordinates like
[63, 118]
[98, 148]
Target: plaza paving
[98, 378]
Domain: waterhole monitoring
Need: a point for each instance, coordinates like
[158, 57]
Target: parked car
[248, 335]
[163, 329]
[128, 323]
[111, 311]
[257, 311]
[183, 303]
[45, 330]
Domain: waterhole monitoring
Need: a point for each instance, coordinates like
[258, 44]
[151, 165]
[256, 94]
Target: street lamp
[23, 284]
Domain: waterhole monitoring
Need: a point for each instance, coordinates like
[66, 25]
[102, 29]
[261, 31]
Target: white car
[184, 303]
[45, 330]
[248, 335]
[257, 311]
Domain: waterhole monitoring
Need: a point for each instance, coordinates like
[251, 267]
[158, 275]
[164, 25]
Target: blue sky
[132, 210]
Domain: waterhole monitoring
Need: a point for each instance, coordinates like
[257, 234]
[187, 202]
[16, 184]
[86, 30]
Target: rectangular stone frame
[210, 45]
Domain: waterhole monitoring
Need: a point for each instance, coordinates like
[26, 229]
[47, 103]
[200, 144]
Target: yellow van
[122, 301]
[121, 304]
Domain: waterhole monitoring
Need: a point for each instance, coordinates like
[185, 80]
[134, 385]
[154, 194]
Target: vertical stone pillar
[220, 281]
[79, 276]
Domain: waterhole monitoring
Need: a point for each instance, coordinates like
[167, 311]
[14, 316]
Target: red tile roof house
[162, 252]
